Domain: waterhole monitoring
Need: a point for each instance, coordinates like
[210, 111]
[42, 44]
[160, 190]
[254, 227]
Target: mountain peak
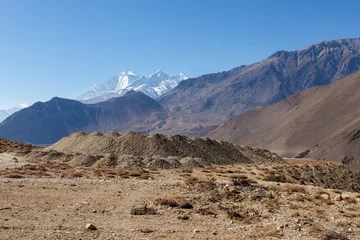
[128, 72]
[153, 86]
[157, 73]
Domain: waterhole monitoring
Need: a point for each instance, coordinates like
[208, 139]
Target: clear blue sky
[62, 47]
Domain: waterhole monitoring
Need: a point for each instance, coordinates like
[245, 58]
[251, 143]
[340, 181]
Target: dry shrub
[76, 175]
[186, 205]
[246, 216]
[294, 188]
[191, 180]
[275, 177]
[266, 231]
[235, 215]
[331, 235]
[13, 175]
[135, 173]
[184, 217]
[146, 230]
[241, 182]
[122, 172]
[143, 210]
[205, 211]
[299, 198]
[167, 202]
[187, 170]
[293, 206]
[239, 177]
[351, 200]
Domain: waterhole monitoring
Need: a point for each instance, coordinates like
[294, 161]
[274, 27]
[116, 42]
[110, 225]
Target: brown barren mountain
[321, 123]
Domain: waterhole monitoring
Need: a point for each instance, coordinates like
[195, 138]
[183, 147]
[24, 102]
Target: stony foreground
[244, 201]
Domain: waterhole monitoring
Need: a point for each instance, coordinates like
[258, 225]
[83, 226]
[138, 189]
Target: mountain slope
[322, 122]
[227, 94]
[154, 86]
[46, 123]
[5, 113]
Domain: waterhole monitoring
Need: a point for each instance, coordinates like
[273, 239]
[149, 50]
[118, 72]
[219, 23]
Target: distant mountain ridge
[154, 86]
[6, 113]
[227, 94]
[46, 123]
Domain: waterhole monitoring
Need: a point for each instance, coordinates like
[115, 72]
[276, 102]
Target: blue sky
[61, 48]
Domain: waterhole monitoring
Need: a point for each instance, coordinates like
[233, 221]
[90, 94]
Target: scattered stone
[337, 198]
[344, 196]
[89, 226]
[325, 196]
[196, 230]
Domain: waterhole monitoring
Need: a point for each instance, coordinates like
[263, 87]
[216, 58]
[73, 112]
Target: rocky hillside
[321, 123]
[46, 123]
[6, 145]
[227, 94]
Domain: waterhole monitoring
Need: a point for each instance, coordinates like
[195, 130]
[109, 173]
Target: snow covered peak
[23, 105]
[154, 86]
[125, 78]
[6, 113]
[157, 73]
[128, 72]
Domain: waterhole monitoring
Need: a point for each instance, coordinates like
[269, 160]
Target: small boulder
[344, 196]
[89, 226]
[337, 198]
[325, 196]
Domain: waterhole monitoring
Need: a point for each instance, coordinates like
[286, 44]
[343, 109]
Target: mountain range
[195, 106]
[320, 123]
[5, 113]
[227, 94]
[154, 86]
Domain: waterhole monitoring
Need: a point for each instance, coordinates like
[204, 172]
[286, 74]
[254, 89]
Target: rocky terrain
[321, 123]
[242, 201]
[260, 196]
[134, 150]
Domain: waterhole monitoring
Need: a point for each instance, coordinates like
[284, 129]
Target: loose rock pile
[132, 150]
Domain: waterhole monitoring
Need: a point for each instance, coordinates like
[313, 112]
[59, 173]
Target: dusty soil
[239, 201]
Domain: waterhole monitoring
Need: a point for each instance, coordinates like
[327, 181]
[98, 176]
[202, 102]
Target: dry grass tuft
[143, 210]
[167, 202]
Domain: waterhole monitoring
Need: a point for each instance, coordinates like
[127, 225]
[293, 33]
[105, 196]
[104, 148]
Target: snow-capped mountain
[154, 86]
[5, 113]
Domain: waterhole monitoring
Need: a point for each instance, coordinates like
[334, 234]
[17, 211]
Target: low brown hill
[321, 122]
[152, 150]
[10, 146]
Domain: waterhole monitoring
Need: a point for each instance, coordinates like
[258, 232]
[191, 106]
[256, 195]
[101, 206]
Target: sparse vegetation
[143, 210]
